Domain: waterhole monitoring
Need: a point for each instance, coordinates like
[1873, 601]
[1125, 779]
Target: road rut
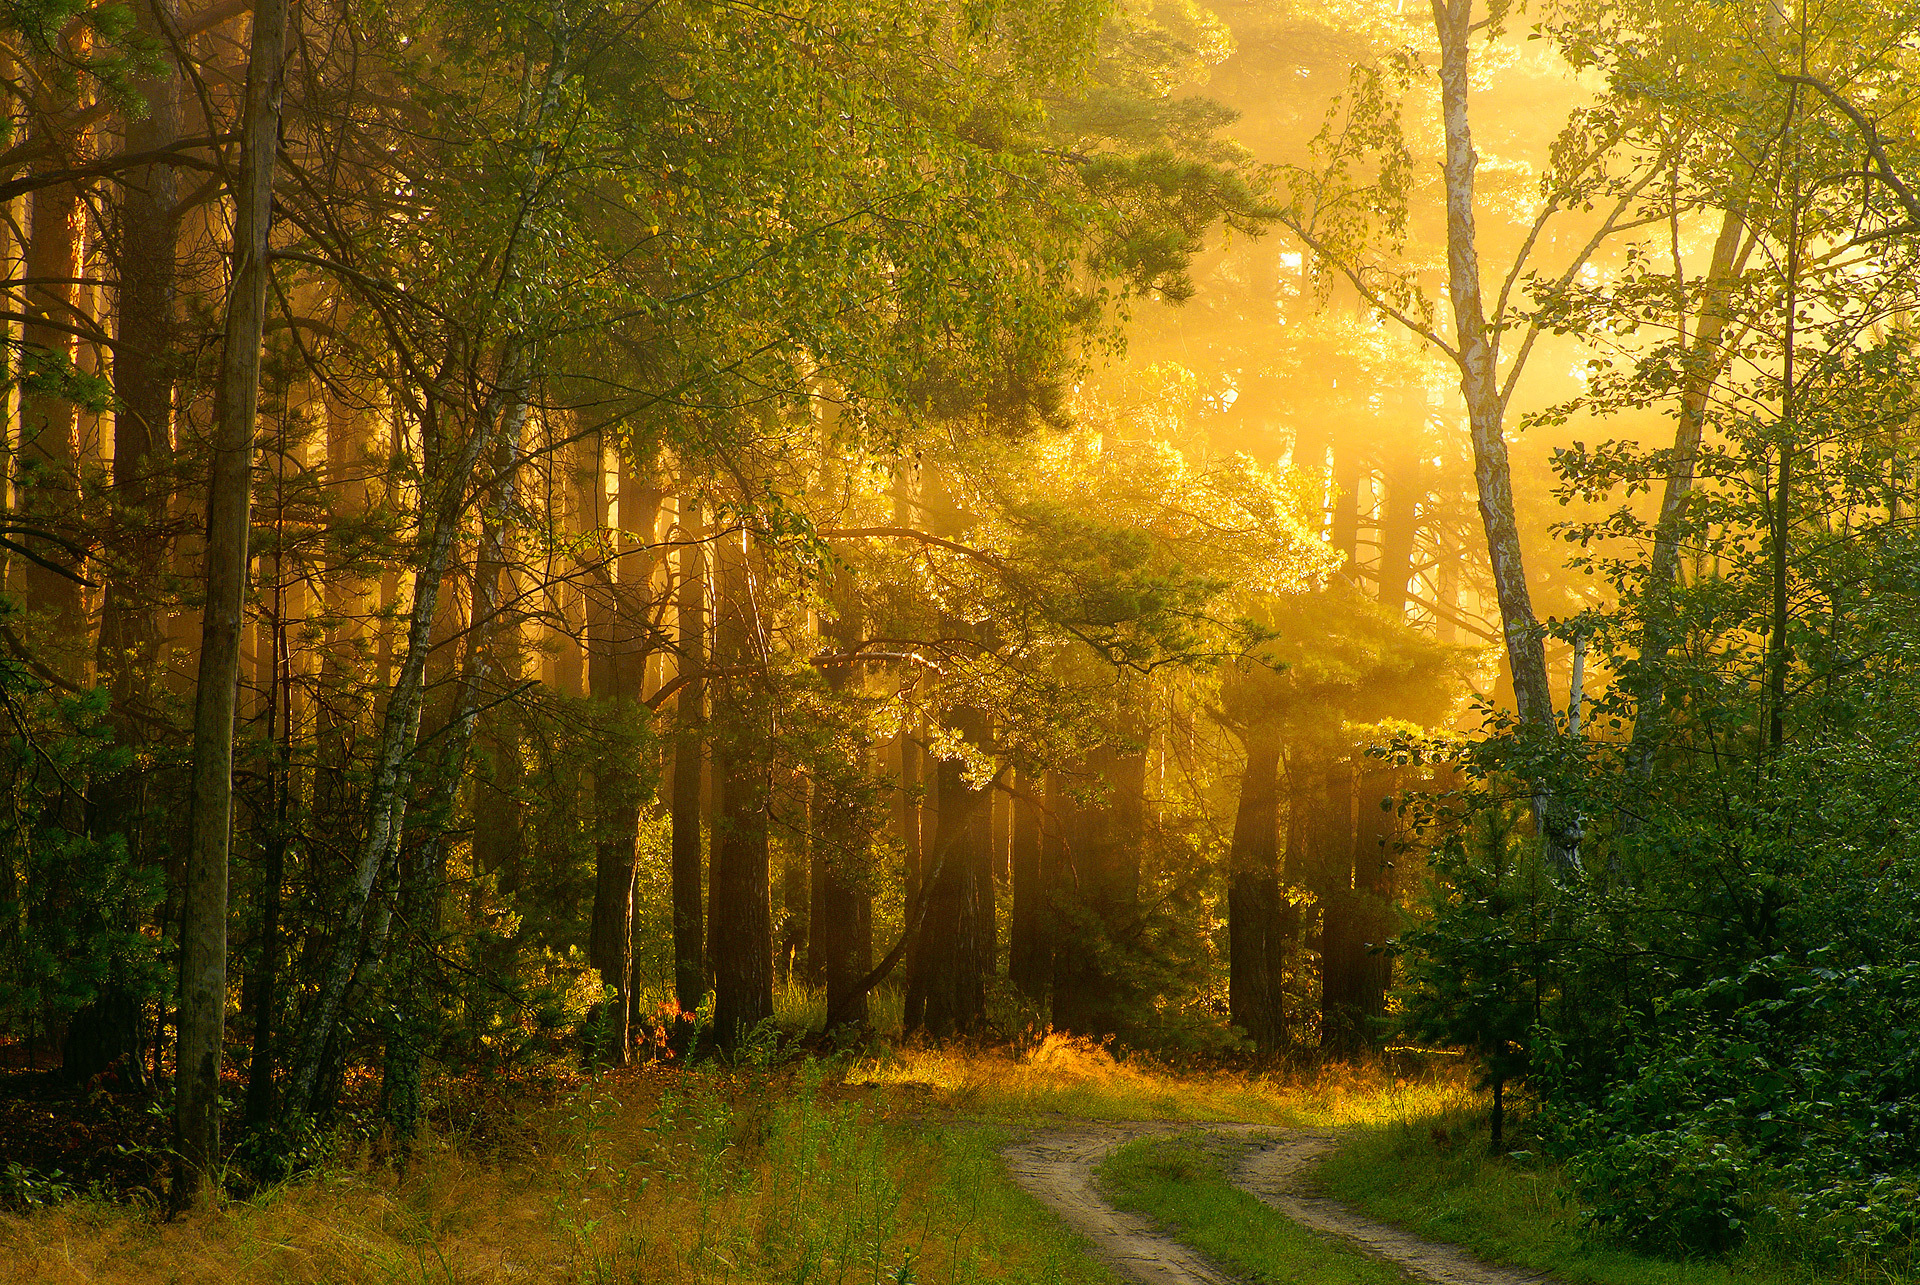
[1057, 1166]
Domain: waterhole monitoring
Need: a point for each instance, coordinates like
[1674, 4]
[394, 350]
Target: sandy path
[1057, 1165]
[1274, 1171]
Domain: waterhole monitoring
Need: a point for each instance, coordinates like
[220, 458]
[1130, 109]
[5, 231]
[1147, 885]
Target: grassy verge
[657, 1177]
[1510, 1209]
[1182, 1184]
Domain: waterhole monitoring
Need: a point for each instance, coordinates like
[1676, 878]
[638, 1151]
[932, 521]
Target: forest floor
[917, 1166]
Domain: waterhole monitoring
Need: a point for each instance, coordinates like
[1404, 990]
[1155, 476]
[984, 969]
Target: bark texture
[203, 932]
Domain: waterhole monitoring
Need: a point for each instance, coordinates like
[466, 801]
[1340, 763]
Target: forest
[627, 610]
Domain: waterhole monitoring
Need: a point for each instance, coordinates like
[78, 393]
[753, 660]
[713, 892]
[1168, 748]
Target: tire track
[1057, 1165]
[1274, 1173]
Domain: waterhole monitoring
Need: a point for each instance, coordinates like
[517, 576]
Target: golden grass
[1072, 1077]
[891, 1172]
[648, 1177]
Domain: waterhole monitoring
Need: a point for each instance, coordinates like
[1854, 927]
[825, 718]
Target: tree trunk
[844, 906]
[1089, 985]
[1028, 958]
[840, 937]
[392, 768]
[949, 961]
[1486, 411]
[1706, 360]
[128, 652]
[1340, 933]
[1347, 478]
[741, 903]
[909, 813]
[1399, 526]
[689, 974]
[795, 886]
[143, 376]
[1373, 900]
[1253, 893]
[203, 936]
[340, 707]
[617, 677]
[422, 872]
[46, 478]
[986, 863]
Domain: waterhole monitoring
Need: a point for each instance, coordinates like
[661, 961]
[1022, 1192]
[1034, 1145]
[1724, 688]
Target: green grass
[1182, 1183]
[1511, 1209]
[997, 1230]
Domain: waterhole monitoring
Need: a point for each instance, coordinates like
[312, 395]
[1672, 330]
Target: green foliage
[1477, 971]
[74, 903]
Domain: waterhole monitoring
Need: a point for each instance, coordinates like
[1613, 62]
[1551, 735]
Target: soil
[1057, 1165]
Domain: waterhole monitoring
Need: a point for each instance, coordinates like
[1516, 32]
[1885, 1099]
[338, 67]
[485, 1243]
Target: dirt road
[1057, 1165]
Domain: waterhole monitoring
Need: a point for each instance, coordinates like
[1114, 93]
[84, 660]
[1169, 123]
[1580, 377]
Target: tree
[203, 955]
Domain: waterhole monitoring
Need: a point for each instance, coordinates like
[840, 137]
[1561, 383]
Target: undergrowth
[657, 1176]
[1439, 1177]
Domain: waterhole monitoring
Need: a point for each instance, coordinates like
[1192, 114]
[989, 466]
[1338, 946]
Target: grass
[690, 1178]
[1182, 1184]
[1062, 1075]
[1511, 1209]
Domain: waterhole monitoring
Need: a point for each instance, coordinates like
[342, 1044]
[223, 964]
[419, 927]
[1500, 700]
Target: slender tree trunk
[741, 904]
[46, 480]
[1074, 884]
[203, 937]
[273, 874]
[795, 887]
[1056, 885]
[1486, 412]
[1706, 359]
[422, 868]
[618, 678]
[823, 928]
[1348, 476]
[985, 860]
[689, 974]
[391, 770]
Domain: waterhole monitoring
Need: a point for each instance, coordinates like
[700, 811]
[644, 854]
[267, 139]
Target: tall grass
[682, 1177]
